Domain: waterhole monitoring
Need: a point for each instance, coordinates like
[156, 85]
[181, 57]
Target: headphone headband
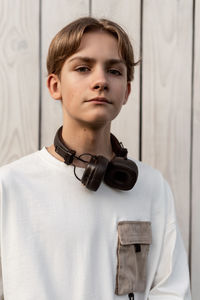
[69, 154]
[119, 173]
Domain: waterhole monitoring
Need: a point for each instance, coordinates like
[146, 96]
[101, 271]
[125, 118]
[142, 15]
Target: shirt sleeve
[172, 277]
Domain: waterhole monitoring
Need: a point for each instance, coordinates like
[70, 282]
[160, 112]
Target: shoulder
[24, 165]
[147, 175]
[152, 184]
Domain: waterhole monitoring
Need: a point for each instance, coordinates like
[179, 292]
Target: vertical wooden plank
[127, 14]
[55, 15]
[195, 265]
[167, 56]
[19, 69]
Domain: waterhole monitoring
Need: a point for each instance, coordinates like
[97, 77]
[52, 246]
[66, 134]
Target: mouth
[99, 100]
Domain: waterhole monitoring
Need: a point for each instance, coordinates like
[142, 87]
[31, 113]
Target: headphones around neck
[120, 172]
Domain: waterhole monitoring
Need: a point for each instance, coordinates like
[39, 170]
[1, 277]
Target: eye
[82, 69]
[115, 72]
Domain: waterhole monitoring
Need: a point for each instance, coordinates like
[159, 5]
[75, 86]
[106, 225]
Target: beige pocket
[134, 239]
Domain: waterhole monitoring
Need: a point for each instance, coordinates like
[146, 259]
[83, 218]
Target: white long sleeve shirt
[59, 240]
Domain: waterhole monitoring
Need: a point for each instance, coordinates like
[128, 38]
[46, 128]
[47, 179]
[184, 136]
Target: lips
[100, 100]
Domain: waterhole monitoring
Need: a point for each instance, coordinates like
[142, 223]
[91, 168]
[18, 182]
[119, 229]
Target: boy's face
[93, 81]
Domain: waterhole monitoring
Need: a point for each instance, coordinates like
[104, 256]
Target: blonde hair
[67, 41]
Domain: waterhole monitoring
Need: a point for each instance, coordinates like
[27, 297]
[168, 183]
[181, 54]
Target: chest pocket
[134, 239]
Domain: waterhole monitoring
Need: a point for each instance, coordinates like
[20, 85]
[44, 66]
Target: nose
[101, 86]
[100, 82]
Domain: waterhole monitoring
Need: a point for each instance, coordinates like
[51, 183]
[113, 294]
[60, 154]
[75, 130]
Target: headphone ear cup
[94, 172]
[121, 173]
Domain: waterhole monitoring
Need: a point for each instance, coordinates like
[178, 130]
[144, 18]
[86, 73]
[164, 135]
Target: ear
[127, 93]
[54, 86]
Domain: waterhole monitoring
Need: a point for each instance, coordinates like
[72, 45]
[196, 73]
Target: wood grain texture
[195, 266]
[167, 57]
[127, 14]
[19, 27]
[66, 11]
[166, 89]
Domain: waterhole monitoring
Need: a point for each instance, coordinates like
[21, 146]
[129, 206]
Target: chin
[101, 117]
[96, 123]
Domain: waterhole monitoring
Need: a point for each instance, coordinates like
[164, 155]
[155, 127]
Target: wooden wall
[161, 122]
[195, 158]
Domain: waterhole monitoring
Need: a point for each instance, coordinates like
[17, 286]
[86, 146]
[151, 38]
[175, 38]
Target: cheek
[68, 91]
[74, 87]
[121, 91]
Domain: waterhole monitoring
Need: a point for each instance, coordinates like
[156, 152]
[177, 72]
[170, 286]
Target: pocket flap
[134, 232]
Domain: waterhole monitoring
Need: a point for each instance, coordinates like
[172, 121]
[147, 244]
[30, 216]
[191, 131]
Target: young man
[113, 237]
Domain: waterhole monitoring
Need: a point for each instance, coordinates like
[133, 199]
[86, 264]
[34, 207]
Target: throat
[84, 146]
[86, 141]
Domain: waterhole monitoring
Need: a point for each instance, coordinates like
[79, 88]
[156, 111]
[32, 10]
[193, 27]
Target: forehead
[100, 44]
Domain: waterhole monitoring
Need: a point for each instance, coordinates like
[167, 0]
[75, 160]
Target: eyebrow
[86, 59]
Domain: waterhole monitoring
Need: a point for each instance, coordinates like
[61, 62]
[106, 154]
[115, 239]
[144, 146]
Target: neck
[85, 140]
